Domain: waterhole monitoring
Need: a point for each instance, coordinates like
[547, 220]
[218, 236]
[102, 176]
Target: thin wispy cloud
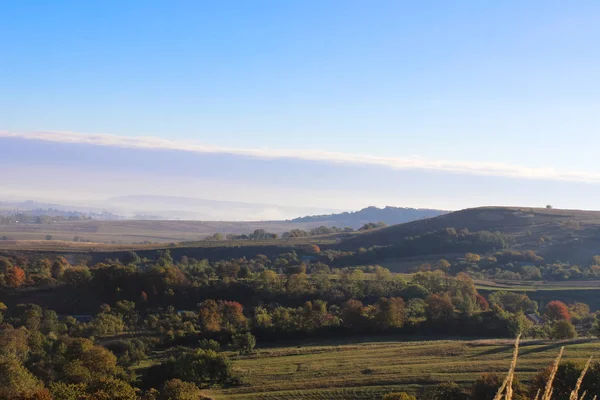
[399, 163]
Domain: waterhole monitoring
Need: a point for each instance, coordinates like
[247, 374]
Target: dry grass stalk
[575, 392]
[548, 391]
[507, 383]
[537, 394]
[511, 374]
[583, 395]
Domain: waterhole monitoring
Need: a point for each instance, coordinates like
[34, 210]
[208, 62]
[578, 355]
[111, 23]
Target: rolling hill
[568, 235]
[389, 215]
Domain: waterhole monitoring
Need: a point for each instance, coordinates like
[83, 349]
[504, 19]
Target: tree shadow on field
[541, 349]
[523, 348]
[495, 350]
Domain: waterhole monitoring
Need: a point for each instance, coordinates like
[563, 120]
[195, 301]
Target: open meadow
[368, 370]
[130, 232]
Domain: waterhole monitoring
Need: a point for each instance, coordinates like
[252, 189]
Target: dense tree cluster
[524, 265]
[442, 241]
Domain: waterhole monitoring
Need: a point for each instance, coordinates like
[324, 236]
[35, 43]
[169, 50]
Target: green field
[369, 370]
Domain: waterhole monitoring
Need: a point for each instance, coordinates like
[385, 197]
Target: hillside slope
[389, 215]
[556, 234]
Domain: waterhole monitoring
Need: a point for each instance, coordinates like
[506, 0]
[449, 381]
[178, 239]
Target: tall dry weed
[505, 392]
[548, 391]
[575, 392]
[507, 383]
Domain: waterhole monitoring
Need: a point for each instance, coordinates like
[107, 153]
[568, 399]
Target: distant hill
[389, 215]
[184, 208]
[145, 207]
[572, 235]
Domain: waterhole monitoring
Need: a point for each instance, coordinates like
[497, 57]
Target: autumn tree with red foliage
[482, 302]
[557, 310]
[14, 277]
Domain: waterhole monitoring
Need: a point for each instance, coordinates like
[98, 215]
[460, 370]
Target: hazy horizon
[75, 168]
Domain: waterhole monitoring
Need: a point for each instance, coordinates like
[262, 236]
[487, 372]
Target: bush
[562, 330]
[243, 343]
[209, 344]
[201, 367]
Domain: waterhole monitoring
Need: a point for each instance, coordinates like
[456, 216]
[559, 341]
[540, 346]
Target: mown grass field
[369, 370]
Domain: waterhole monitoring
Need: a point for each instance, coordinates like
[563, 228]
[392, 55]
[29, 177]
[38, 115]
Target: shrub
[562, 330]
[201, 367]
[243, 343]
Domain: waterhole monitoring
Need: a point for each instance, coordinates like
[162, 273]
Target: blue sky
[511, 82]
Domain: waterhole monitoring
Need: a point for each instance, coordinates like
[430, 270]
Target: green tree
[126, 309]
[68, 391]
[519, 324]
[262, 318]
[28, 315]
[131, 257]
[16, 380]
[106, 388]
[562, 330]
[201, 367]
[163, 258]
[243, 343]
[77, 276]
[86, 362]
[513, 302]
[14, 342]
[107, 324]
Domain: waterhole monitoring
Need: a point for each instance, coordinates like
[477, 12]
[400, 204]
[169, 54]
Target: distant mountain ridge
[389, 215]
